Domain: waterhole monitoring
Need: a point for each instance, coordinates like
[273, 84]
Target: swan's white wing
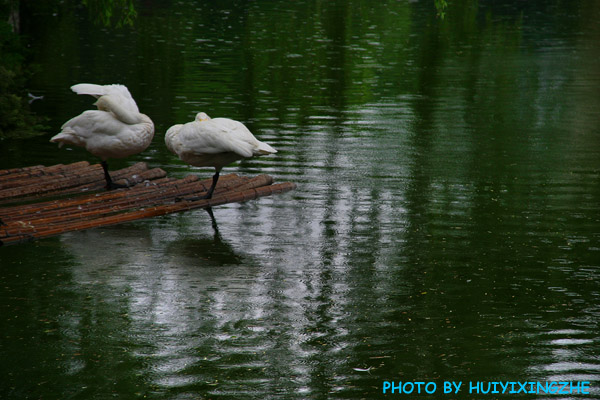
[80, 128]
[89, 88]
[222, 135]
[100, 90]
[117, 91]
[88, 126]
[240, 136]
[193, 140]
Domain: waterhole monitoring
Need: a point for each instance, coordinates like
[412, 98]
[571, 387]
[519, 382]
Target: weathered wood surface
[39, 201]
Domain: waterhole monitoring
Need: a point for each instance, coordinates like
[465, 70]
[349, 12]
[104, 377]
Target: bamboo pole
[11, 171]
[39, 170]
[48, 184]
[90, 177]
[32, 176]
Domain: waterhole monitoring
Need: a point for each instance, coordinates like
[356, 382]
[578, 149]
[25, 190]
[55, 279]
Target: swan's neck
[120, 110]
[129, 118]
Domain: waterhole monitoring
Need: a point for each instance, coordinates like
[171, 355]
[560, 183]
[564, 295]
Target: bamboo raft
[39, 201]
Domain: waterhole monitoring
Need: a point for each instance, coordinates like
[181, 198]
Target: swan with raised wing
[116, 129]
[213, 142]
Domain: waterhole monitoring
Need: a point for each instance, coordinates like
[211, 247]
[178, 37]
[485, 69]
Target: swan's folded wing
[241, 137]
[202, 138]
[92, 123]
[78, 130]
[234, 136]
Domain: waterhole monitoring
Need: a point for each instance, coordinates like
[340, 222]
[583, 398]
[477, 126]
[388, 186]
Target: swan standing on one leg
[116, 129]
[208, 142]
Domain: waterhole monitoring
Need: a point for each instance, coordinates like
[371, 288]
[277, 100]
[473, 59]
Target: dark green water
[446, 224]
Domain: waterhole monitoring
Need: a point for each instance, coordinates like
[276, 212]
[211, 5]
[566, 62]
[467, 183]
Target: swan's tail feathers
[67, 136]
[119, 93]
[264, 149]
[58, 139]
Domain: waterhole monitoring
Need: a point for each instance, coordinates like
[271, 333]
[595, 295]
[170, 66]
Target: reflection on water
[445, 225]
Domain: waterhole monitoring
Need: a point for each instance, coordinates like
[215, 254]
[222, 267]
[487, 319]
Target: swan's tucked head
[104, 103]
[202, 117]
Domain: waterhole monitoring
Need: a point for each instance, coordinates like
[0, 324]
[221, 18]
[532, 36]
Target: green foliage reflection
[15, 117]
[440, 6]
[112, 12]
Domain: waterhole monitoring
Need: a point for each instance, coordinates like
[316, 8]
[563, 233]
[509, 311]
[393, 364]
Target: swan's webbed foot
[195, 198]
[111, 186]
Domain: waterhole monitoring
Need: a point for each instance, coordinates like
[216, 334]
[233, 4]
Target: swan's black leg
[109, 183]
[213, 220]
[217, 235]
[208, 194]
[212, 187]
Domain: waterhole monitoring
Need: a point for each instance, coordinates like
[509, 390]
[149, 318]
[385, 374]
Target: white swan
[208, 142]
[116, 130]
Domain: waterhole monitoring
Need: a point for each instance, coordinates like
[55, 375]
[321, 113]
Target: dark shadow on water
[213, 250]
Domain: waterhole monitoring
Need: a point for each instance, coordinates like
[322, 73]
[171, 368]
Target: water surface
[445, 226]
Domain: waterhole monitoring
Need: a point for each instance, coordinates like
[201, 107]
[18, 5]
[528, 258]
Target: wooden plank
[151, 193]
